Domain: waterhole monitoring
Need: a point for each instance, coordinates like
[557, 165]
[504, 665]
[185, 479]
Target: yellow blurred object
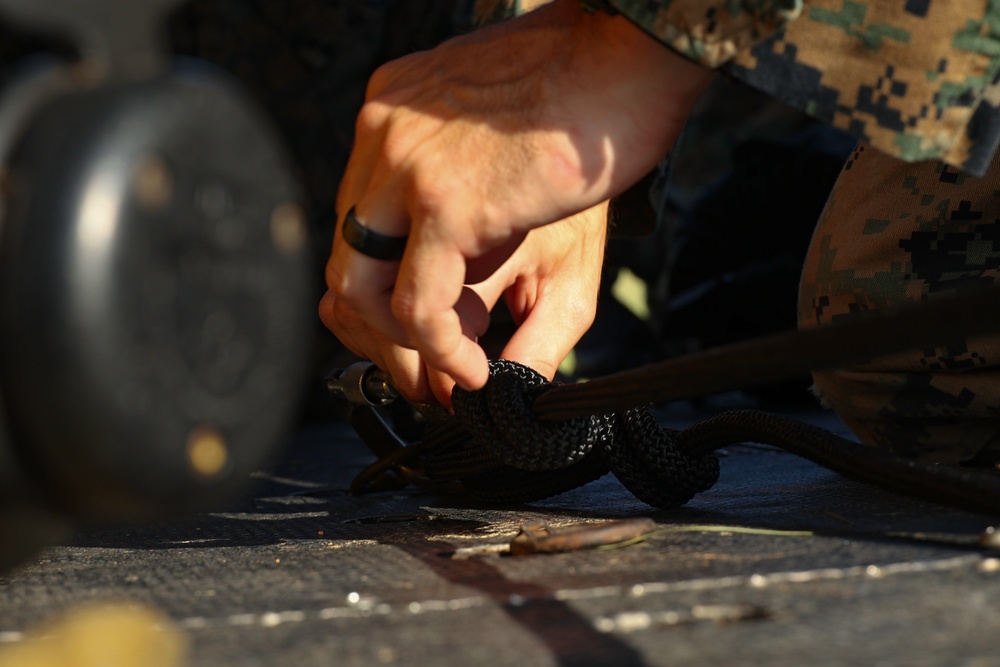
[101, 635]
[632, 292]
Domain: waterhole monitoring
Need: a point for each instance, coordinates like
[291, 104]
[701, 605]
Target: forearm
[613, 70]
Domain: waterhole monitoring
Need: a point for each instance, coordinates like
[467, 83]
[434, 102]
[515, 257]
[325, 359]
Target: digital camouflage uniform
[917, 80]
[895, 233]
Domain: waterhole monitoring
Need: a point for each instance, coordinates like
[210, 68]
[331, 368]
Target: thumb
[547, 335]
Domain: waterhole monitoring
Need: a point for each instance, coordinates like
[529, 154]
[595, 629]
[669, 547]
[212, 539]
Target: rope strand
[778, 357]
[500, 460]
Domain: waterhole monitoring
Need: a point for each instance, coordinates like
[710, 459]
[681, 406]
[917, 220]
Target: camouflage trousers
[896, 233]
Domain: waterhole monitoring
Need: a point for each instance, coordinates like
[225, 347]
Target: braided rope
[512, 456]
[500, 419]
[646, 459]
[501, 453]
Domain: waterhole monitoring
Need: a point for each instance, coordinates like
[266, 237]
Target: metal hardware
[362, 383]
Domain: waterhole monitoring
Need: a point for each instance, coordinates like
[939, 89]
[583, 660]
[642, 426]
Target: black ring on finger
[370, 243]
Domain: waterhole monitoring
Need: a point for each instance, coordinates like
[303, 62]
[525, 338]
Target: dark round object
[154, 297]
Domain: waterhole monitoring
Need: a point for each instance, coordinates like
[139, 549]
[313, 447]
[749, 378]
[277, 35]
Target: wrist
[641, 81]
[643, 56]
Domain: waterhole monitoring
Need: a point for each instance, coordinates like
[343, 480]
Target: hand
[468, 147]
[550, 285]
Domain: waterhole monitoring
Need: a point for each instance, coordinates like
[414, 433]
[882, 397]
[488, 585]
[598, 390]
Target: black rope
[940, 321]
[970, 489]
[502, 453]
[522, 438]
[509, 455]
[501, 421]
[647, 461]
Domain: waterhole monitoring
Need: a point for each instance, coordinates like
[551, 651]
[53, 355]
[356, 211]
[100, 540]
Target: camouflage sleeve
[711, 33]
[917, 79]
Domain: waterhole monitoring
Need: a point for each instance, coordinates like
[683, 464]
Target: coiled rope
[521, 438]
[500, 452]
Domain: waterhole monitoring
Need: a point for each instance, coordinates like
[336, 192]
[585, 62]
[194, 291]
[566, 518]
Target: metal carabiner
[362, 384]
[367, 392]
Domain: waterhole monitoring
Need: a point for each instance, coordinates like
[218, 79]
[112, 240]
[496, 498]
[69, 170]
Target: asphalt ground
[781, 563]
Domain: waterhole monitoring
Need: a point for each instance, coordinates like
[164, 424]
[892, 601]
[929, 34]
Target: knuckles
[380, 79]
[336, 279]
[404, 309]
[347, 293]
[371, 118]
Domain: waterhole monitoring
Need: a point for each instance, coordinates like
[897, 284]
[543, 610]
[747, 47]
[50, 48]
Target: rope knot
[643, 456]
[500, 420]
[647, 460]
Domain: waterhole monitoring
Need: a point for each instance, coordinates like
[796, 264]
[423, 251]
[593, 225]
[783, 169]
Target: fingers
[402, 364]
[367, 289]
[439, 312]
[416, 380]
[366, 283]
[548, 334]
[420, 302]
[557, 304]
